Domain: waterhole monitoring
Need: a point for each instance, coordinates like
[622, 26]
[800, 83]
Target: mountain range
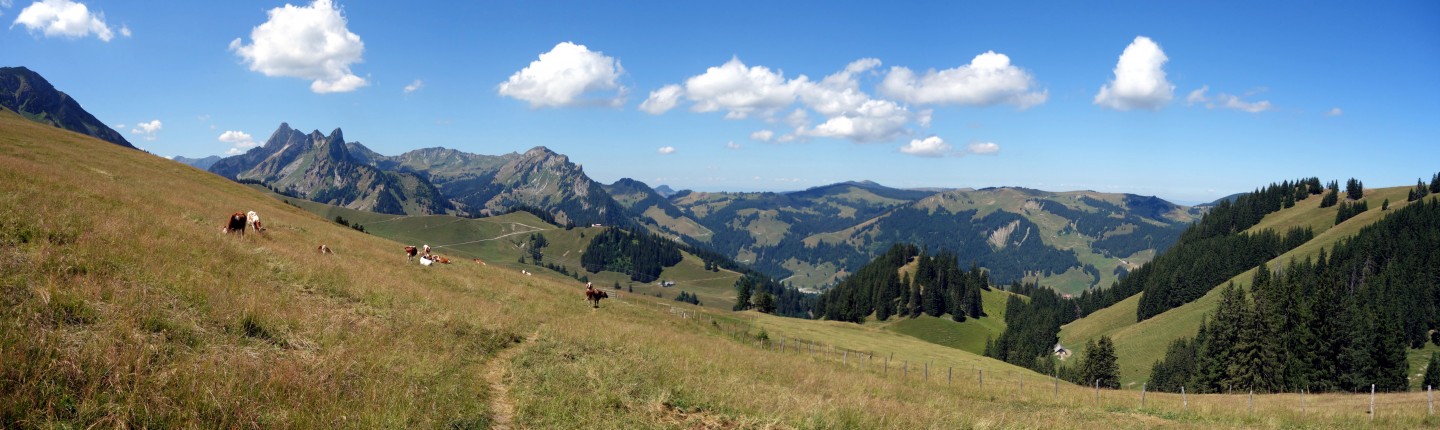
[811, 238]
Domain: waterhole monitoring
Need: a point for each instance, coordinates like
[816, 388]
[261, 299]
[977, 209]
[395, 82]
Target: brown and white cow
[593, 296]
[323, 249]
[410, 252]
[254, 220]
[236, 224]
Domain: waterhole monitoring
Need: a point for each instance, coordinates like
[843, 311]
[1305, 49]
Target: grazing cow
[236, 224]
[324, 250]
[482, 263]
[254, 220]
[410, 253]
[594, 296]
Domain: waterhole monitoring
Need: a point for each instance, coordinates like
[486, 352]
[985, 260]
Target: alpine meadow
[364, 214]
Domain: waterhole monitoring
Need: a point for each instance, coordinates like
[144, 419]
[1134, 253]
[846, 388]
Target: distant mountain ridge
[30, 95]
[813, 237]
[319, 167]
[327, 169]
[198, 163]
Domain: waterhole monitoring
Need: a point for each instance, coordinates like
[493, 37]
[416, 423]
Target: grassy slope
[967, 336]
[201, 330]
[1140, 345]
[498, 241]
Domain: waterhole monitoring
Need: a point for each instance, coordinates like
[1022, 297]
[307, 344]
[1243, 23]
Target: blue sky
[1189, 102]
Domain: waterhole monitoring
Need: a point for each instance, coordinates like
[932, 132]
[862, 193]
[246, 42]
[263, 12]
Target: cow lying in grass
[323, 249]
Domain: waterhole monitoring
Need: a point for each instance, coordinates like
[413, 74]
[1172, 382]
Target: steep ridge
[319, 167]
[25, 92]
[654, 211]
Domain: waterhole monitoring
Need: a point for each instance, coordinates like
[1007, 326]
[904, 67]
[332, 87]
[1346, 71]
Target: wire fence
[1016, 386]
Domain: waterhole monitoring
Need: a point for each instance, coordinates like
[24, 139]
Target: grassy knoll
[1139, 345]
[124, 306]
[967, 336]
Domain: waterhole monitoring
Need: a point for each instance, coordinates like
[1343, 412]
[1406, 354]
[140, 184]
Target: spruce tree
[1100, 364]
[1435, 184]
[1432, 372]
[744, 287]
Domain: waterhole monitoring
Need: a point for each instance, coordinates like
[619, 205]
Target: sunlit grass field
[123, 306]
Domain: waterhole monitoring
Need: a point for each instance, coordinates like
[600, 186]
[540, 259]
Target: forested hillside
[1210, 251]
[1339, 322]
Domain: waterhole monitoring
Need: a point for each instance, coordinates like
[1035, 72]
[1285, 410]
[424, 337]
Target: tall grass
[122, 305]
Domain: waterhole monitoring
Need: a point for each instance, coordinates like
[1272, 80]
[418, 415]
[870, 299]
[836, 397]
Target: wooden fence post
[1142, 394]
[1430, 399]
[949, 373]
[1185, 401]
[1302, 403]
[927, 371]
[1372, 402]
[907, 369]
[982, 378]
[1252, 402]
[1097, 392]
[1057, 385]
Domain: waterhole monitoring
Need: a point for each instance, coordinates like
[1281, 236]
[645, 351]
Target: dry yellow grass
[123, 306]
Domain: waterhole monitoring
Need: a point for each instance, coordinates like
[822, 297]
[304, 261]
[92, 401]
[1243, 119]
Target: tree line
[1338, 322]
[937, 287]
[1209, 252]
[641, 255]
[756, 291]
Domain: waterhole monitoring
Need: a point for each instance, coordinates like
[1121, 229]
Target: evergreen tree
[744, 287]
[1331, 197]
[1354, 189]
[1432, 372]
[765, 303]
[1419, 192]
[1435, 184]
[1100, 365]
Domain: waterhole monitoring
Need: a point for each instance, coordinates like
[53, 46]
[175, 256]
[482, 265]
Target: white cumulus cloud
[308, 42]
[63, 18]
[933, 147]
[414, 86]
[564, 75]
[983, 148]
[1334, 112]
[740, 89]
[666, 150]
[874, 121]
[989, 79]
[662, 100]
[762, 135]
[239, 140]
[148, 129]
[1139, 79]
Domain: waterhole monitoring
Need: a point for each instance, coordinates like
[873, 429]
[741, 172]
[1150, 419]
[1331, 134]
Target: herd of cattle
[239, 222]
